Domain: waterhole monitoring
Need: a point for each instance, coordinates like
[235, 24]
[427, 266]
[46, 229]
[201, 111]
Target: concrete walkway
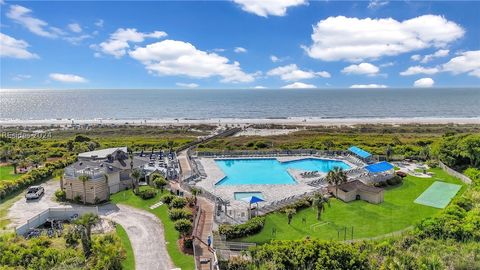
[146, 235]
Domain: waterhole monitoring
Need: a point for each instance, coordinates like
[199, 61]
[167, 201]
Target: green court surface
[438, 195]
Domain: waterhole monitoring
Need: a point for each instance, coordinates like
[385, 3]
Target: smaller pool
[240, 195]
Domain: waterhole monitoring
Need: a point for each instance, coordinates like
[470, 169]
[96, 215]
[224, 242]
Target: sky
[239, 44]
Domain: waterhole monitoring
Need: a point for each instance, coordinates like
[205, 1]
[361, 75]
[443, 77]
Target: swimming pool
[269, 171]
[242, 195]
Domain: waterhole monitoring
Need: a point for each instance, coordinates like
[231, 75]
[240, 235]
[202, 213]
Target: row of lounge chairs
[309, 174]
[274, 205]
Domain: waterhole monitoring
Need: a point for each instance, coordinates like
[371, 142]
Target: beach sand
[241, 122]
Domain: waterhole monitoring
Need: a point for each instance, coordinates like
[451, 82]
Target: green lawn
[6, 173]
[397, 212]
[180, 259]
[129, 262]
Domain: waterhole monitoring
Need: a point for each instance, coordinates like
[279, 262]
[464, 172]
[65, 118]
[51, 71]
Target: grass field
[180, 259]
[6, 173]
[129, 262]
[397, 212]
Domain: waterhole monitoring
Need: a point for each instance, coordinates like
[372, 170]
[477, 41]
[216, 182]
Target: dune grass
[129, 262]
[180, 259]
[397, 212]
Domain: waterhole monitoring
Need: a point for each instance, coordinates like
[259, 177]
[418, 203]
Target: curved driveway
[146, 234]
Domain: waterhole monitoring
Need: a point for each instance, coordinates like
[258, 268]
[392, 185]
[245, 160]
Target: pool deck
[270, 192]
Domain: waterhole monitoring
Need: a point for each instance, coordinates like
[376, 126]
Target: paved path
[146, 234]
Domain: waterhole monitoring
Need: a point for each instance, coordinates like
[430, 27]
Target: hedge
[33, 177]
[176, 214]
[250, 227]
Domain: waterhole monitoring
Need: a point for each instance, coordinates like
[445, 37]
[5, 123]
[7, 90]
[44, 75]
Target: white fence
[454, 173]
[59, 213]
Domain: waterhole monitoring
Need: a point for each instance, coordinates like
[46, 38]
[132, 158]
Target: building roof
[103, 153]
[358, 185]
[359, 152]
[379, 167]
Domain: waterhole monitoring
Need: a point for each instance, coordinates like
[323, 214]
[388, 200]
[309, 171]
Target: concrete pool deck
[270, 192]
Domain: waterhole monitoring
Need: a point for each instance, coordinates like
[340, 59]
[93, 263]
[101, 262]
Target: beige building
[108, 171]
[357, 190]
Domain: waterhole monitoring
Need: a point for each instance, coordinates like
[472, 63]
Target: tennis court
[438, 195]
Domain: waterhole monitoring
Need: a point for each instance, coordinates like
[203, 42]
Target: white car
[34, 192]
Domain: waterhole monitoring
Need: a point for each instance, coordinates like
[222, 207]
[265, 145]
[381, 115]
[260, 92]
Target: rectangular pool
[269, 171]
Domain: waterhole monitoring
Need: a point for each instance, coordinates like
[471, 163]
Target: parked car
[34, 192]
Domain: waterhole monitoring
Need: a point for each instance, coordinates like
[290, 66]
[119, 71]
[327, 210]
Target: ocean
[127, 104]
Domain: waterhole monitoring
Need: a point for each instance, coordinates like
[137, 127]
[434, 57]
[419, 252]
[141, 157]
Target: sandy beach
[311, 121]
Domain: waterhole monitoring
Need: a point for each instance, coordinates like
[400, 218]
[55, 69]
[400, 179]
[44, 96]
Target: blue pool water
[270, 171]
[241, 195]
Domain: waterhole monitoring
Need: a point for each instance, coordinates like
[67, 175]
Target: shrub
[178, 202]
[147, 193]
[250, 227]
[167, 198]
[394, 180]
[176, 214]
[160, 183]
[77, 199]
[432, 163]
[381, 184]
[183, 226]
[60, 195]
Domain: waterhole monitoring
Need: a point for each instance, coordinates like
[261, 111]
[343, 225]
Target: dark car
[34, 192]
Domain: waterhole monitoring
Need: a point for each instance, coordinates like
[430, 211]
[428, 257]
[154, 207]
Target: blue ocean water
[82, 104]
[269, 171]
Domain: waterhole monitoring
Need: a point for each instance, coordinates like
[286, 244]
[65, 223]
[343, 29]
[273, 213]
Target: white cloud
[99, 23]
[21, 77]
[299, 85]
[440, 53]
[468, 61]
[274, 59]
[388, 64]
[67, 78]
[14, 48]
[354, 39]
[118, 43]
[416, 57]
[419, 70]
[424, 82]
[75, 27]
[323, 74]
[22, 16]
[75, 40]
[265, 8]
[373, 85]
[259, 87]
[188, 85]
[377, 3]
[293, 73]
[172, 57]
[362, 68]
[240, 50]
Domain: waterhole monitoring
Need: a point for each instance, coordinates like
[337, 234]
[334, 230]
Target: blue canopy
[359, 152]
[252, 199]
[379, 167]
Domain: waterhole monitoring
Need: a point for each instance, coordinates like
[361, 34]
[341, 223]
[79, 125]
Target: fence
[454, 173]
[60, 213]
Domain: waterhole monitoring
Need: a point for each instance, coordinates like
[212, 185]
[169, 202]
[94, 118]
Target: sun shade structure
[379, 167]
[252, 199]
[359, 152]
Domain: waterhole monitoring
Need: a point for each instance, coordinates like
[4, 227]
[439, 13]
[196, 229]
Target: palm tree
[195, 191]
[336, 177]
[135, 176]
[290, 212]
[84, 225]
[319, 203]
[105, 176]
[388, 152]
[84, 178]
[14, 164]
